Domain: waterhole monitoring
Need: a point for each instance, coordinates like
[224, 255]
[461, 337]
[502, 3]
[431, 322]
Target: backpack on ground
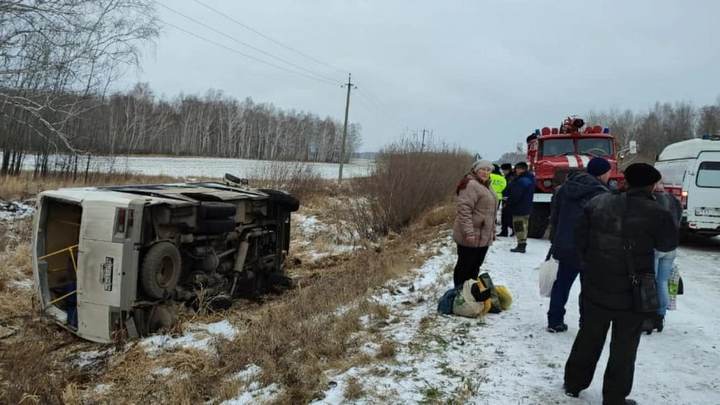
[495, 307]
[445, 305]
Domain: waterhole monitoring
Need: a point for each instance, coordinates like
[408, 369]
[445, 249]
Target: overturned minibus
[117, 261]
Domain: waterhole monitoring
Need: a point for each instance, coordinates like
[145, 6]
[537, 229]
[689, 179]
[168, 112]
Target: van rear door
[704, 193]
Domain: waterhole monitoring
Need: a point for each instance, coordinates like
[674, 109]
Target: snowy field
[210, 167]
[509, 358]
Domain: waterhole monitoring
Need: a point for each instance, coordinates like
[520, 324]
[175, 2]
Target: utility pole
[422, 144]
[349, 86]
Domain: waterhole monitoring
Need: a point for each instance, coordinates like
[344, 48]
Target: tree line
[661, 125]
[214, 125]
[58, 58]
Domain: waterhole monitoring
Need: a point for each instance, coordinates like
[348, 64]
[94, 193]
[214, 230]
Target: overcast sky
[480, 74]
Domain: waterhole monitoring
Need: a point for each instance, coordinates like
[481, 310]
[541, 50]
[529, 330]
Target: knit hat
[598, 166]
[641, 175]
[506, 166]
[482, 163]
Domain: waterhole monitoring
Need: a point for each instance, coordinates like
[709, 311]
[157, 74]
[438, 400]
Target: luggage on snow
[475, 298]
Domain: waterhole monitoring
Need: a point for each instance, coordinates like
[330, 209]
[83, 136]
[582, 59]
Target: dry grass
[354, 389]
[442, 215]
[32, 366]
[387, 350]
[406, 183]
[15, 266]
[297, 178]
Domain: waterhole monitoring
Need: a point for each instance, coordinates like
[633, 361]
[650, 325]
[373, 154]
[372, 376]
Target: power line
[249, 28]
[247, 55]
[196, 21]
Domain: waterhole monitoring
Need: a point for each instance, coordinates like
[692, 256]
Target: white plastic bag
[547, 274]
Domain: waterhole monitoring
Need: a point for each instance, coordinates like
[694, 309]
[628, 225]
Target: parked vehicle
[553, 152]
[691, 172]
[119, 260]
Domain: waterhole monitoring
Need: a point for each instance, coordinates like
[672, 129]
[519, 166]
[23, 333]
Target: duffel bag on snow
[473, 300]
[504, 297]
[445, 305]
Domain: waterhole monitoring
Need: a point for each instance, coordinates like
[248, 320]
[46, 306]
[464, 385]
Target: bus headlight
[547, 183]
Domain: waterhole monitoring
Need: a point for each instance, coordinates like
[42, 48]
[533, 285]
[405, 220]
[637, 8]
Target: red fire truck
[553, 152]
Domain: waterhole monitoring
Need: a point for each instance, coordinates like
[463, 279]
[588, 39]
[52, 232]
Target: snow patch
[222, 328]
[89, 358]
[162, 371]
[197, 336]
[24, 284]
[248, 373]
[14, 210]
[255, 394]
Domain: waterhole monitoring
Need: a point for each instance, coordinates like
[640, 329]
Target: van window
[708, 175]
[673, 172]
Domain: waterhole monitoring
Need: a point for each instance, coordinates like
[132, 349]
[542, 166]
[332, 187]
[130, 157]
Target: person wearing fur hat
[474, 228]
[616, 237]
[567, 206]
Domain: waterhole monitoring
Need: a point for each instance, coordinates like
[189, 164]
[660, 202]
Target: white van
[691, 172]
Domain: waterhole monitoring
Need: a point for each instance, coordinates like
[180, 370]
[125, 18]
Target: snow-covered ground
[211, 167]
[509, 358]
[12, 210]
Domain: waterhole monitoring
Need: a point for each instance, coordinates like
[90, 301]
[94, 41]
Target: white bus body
[691, 172]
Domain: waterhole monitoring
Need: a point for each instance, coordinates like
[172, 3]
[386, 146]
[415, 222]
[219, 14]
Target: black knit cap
[506, 166]
[641, 175]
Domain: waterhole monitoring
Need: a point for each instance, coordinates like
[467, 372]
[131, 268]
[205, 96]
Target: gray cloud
[481, 74]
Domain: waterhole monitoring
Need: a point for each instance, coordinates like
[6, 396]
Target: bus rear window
[708, 175]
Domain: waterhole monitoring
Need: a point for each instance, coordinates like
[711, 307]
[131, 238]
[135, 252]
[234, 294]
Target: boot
[659, 323]
[503, 232]
[648, 325]
[571, 392]
[520, 248]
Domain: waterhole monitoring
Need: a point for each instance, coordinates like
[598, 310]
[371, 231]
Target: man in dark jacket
[506, 216]
[567, 206]
[614, 230]
[520, 199]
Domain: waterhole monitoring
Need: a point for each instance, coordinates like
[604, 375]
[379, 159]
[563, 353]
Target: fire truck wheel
[161, 269]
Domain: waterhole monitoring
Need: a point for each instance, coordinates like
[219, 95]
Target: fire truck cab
[553, 152]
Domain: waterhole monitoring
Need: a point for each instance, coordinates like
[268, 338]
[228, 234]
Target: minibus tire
[161, 269]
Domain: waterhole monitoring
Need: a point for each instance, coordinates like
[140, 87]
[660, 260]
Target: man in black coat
[506, 216]
[607, 290]
[567, 207]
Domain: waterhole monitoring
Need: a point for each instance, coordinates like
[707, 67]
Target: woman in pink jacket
[474, 229]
